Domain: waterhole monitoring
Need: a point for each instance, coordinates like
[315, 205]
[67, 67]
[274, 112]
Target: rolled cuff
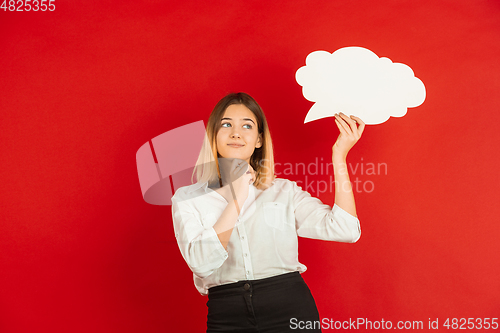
[351, 220]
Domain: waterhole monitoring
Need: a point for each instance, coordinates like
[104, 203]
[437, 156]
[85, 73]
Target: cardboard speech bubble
[355, 81]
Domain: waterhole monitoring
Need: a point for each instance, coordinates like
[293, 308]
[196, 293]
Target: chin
[239, 156]
[244, 158]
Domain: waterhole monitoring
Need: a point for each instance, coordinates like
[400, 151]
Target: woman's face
[238, 136]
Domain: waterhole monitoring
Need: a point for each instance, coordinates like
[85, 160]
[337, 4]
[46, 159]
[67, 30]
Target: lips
[235, 145]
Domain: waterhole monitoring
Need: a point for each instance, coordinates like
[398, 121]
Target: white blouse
[264, 240]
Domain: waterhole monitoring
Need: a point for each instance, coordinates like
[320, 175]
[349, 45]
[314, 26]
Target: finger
[339, 122]
[240, 166]
[239, 163]
[345, 127]
[254, 174]
[250, 174]
[358, 120]
[361, 127]
[351, 123]
[341, 128]
[237, 168]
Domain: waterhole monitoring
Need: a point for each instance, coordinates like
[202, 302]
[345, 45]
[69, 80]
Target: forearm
[344, 197]
[225, 224]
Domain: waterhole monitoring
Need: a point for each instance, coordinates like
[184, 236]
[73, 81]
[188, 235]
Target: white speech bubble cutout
[355, 81]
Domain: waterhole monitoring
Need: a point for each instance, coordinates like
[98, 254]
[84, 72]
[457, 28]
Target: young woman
[237, 226]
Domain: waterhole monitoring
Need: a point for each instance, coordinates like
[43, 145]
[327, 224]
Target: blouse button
[246, 254]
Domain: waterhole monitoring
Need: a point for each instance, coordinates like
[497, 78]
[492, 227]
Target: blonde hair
[262, 160]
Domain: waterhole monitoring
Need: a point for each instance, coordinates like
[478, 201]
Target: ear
[259, 141]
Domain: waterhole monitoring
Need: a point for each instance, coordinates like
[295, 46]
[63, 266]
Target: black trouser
[275, 304]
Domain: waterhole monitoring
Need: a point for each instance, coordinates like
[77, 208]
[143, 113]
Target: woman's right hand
[236, 176]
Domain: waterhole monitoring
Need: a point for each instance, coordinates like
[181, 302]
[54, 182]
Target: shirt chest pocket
[208, 220]
[275, 214]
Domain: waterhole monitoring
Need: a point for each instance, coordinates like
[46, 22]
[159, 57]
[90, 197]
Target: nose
[234, 134]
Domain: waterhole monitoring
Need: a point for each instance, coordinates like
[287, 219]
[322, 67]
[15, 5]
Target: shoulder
[188, 191]
[281, 181]
[283, 184]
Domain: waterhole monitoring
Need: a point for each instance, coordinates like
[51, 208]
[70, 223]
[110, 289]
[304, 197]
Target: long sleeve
[200, 247]
[264, 243]
[314, 219]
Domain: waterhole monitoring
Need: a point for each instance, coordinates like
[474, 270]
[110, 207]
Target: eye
[225, 124]
[249, 126]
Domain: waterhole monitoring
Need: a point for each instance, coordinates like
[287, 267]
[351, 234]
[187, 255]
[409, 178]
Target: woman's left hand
[349, 134]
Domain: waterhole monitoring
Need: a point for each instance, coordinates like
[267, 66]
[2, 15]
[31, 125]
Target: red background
[83, 87]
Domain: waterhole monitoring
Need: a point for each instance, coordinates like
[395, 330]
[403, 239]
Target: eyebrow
[241, 119]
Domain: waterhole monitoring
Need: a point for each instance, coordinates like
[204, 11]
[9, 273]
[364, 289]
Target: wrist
[338, 155]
